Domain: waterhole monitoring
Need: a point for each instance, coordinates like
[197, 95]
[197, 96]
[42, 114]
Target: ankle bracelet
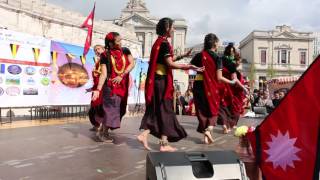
[163, 143]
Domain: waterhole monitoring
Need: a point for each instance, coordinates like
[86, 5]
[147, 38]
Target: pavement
[68, 150]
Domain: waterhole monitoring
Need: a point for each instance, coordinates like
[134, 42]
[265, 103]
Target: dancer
[160, 119]
[96, 105]
[239, 94]
[206, 86]
[229, 112]
[116, 64]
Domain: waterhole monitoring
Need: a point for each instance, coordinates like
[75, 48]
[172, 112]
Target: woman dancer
[160, 119]
[116, 64]
[206, 86]
[96, 106]
[229, 112]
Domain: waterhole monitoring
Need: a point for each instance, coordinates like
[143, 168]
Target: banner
[137, 82]
[71, 77]
[24, 72]
[35, 71]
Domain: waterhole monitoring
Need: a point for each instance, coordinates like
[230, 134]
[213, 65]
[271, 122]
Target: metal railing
[42, 113]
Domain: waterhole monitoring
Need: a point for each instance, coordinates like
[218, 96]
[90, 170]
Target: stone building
[137, 16]
[279, 52]
[36, 17]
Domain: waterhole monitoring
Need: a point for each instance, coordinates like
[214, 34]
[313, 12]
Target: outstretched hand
[195, 68]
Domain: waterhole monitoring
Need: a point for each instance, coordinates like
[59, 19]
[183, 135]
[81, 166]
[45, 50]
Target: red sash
[211, 84]
[233, 95]
[121, 62]
[152, 69]
[96, 76]
[238, 97]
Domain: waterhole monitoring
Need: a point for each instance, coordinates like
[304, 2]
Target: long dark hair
[209, 41]
[110, 40]
[163, 25]
[227, 50]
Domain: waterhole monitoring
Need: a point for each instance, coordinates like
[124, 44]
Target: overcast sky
[231, 20]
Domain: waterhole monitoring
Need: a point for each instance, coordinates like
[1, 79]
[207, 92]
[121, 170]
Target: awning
[283, 80]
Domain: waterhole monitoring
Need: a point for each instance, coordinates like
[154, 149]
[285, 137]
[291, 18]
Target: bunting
[83, 60]
[14, 49]
[54, 57]
[36, 54]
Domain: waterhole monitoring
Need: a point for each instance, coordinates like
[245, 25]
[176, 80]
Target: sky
[231, 20]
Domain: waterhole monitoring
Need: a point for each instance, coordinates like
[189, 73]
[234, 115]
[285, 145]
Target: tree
[252, 75]
[290, 72]
[271, 72]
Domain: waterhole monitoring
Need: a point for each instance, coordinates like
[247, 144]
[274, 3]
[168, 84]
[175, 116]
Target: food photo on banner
[70, 74]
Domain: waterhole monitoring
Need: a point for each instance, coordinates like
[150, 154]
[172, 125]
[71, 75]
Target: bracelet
[232, 82]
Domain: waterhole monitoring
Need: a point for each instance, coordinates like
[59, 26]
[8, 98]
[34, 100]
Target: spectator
[282, 94]
[276, 99]
[188, 96]
[257, 96]
[265, 101]
[180, 104]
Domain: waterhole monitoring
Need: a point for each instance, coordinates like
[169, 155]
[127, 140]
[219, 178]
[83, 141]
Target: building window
[141, 38]
[278, 57]
[263, 57]
[283, 56]
[303, 58]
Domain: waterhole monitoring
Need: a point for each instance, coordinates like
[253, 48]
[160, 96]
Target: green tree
[252, 75]
[271, 73]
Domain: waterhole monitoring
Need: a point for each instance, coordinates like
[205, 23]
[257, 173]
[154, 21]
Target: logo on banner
[14, 49]
[2, 68]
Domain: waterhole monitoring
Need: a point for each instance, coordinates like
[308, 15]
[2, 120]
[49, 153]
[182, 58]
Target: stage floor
[69, 151]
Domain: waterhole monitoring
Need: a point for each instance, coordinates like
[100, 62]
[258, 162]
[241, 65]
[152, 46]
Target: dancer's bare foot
[205, 140]
[208, 135]
[225, 131]
[142, 138]
[167, 148]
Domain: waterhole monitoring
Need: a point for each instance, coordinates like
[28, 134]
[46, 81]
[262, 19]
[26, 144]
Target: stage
[69, 151]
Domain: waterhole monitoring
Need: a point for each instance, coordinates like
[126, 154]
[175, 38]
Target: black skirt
[203, 111]
[160, 117]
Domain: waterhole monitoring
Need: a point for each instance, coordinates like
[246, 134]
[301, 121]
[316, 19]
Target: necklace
[113, 61]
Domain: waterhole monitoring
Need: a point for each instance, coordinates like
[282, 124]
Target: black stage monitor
[212, 165]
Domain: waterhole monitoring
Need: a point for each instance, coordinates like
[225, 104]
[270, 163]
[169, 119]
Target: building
[36, 17]
[136, 15]
[279, 52]
[316, 43]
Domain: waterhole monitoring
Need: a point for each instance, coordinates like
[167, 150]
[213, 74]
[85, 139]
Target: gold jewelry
[113, 61]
